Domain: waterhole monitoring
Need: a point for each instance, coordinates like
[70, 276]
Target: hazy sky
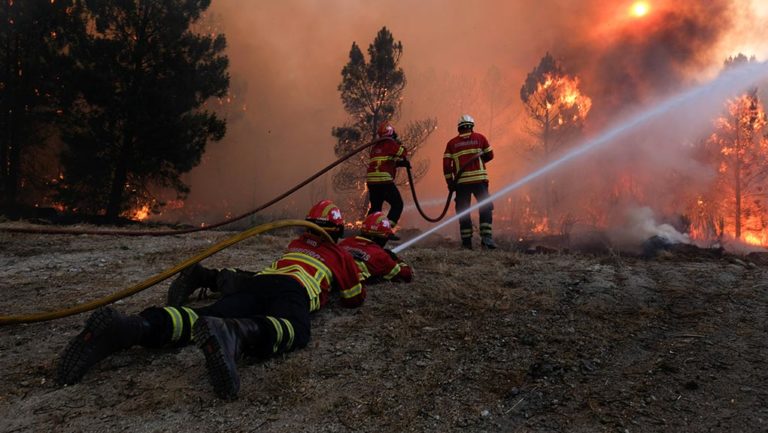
[286, 57]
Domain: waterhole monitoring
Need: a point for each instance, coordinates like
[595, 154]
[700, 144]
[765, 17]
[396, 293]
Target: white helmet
[466, 121]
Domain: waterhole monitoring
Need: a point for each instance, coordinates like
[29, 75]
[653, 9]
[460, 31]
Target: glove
[403, 163]
[451, 186]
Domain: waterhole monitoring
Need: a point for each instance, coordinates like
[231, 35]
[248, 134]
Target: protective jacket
[459, 151]
[375, 262]
[384, 156]
[320, 265]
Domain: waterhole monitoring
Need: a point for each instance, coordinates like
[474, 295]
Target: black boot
[222, 342]
[466, 243]
[106, 331]
[189, 280]
[487, 243]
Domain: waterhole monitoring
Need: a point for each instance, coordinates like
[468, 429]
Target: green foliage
[139, 121]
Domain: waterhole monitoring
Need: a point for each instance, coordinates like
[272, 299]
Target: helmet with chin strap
[466, 122]
[328, 216]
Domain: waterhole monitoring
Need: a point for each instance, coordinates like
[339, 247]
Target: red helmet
[377, 225]
[386, 130]
[326, 214]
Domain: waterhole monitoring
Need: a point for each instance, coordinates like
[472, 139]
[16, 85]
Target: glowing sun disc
[640, 9]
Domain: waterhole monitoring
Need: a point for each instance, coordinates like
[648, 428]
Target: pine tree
[32, 36]
[140, 121]
[372, 93]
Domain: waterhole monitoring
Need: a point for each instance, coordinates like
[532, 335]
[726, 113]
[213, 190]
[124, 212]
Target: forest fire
[138, 214]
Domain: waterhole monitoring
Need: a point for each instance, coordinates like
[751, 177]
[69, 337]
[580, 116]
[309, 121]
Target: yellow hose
[44, 316]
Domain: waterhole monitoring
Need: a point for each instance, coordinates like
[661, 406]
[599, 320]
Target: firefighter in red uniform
[470, 146]
[385, 156]
[374, 261]
[268, 314]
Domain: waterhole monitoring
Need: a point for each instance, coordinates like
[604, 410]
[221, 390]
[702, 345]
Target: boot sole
[219, 373]
[78, 357]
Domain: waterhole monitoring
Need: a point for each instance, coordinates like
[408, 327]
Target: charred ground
[481, 341]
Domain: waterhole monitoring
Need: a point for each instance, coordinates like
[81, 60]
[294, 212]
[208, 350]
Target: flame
[139, 214]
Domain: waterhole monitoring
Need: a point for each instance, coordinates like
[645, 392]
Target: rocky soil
[499, 341]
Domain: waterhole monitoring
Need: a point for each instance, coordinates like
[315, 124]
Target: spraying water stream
[715, 93]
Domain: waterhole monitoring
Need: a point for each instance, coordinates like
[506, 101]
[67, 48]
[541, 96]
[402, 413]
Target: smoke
[637, 58]
[286, 59]
[639, 225]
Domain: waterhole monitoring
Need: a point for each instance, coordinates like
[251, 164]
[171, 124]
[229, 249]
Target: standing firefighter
[267, 314]
[468, 153]
[385, 156]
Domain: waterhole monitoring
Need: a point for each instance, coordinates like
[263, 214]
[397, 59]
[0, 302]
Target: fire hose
[64, 312]
[59, 231]
[451, 189]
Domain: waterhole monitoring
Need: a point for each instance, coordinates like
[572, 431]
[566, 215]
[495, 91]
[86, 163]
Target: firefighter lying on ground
[375, 264]
[268, 314]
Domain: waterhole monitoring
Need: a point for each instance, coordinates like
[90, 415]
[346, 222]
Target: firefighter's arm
[487, 151]
[448, 170]
[351, 288]
[398, 269]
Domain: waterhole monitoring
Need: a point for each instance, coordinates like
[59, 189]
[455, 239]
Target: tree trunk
[118, 183]
[737, 182]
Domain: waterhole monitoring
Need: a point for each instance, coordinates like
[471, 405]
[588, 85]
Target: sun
[640, 9]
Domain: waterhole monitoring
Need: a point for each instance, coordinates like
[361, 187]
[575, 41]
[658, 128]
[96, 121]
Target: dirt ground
[499, 341]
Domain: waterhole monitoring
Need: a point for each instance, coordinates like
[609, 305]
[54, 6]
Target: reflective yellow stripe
[176, 323]
[378, 177]
[291, 334]
[393, 273]
[324, 271]
[400, 151]
[363, 268]
[279, 331]
[192, 316]
[352, 292]
[466, 152]
[382, 158]
[311, 285]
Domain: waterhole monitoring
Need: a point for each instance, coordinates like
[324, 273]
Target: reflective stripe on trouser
[284, 335]
[466, 233]
[485, 230]
[170, 326]
[464, 193]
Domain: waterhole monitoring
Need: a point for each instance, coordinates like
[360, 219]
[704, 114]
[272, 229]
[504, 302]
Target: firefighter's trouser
[378, 193]
[278, 303]
[464, 193]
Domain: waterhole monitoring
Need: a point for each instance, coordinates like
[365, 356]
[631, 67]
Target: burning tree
[32, 36]
[138, 123]
[739, 149]
[372, 93]
[557, 111]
